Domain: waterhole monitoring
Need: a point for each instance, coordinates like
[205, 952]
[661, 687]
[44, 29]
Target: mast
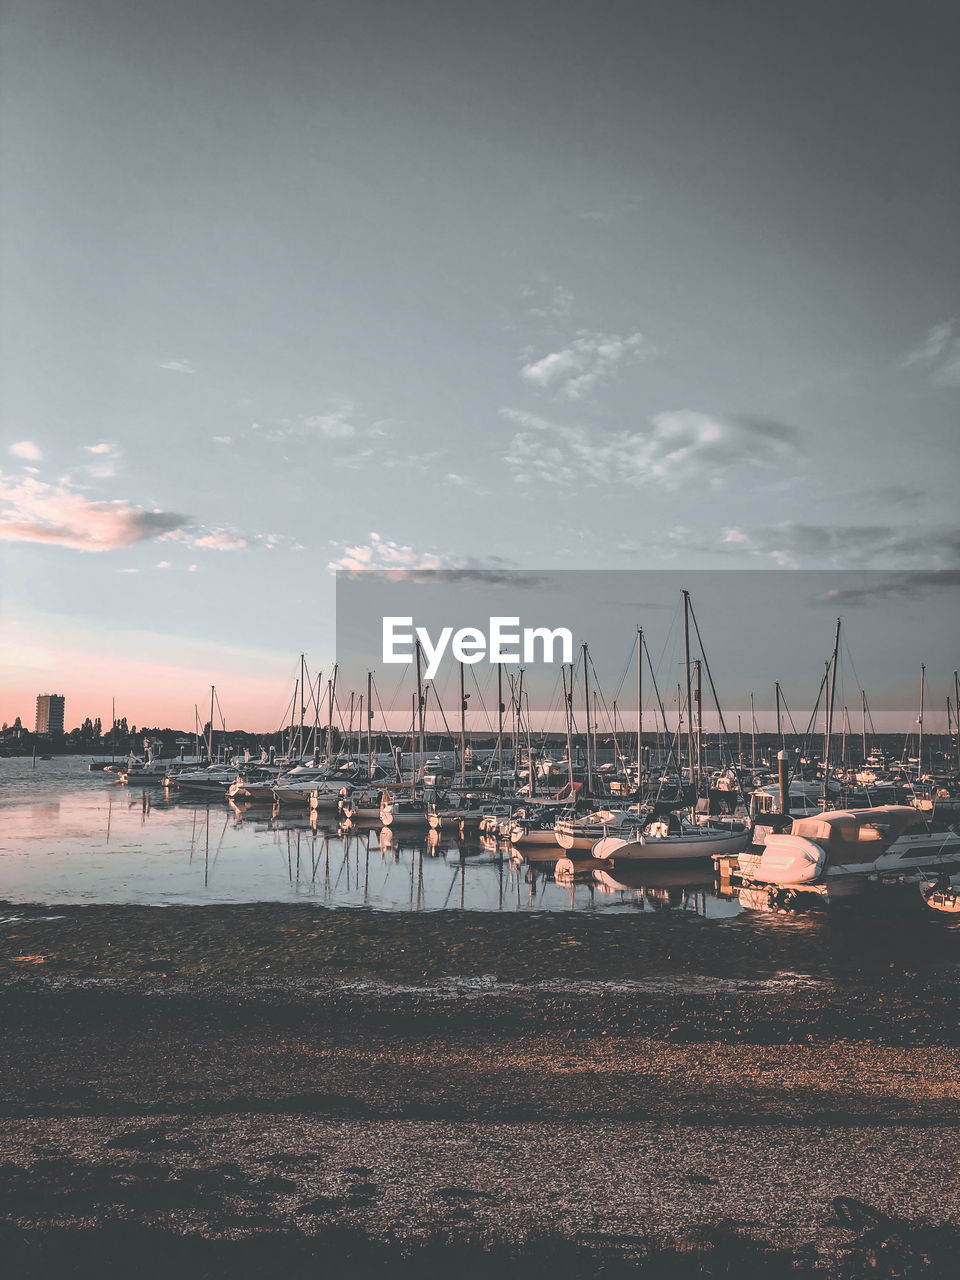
[753, 735]
[686, 651]
[776, 689]
[302, 710]
[330, 719]
[698, 703]
[639, 708]
[369, 723]
[210, 743]
[531, 771]
[420, 703]
[413, 744]
[833, 695]
[568, 714]
[586, 703]
[863, 721]
[923, 670]
[463, 732]
[113, 727]
[500, 709]
[956, 705]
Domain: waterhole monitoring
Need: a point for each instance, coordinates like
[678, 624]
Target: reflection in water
[67, 835]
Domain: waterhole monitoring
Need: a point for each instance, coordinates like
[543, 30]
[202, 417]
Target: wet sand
[657, 1106]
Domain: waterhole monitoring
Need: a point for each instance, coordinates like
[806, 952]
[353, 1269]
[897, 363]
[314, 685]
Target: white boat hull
[679, 848]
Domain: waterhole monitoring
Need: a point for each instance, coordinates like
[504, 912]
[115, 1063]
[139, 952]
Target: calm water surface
[69, 835]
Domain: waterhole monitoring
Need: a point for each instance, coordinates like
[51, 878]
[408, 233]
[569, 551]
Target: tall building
[50, 713]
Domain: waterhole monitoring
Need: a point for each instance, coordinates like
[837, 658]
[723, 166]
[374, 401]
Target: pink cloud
[381, 554]
[32, 511]
[26, 449]
[221, 540]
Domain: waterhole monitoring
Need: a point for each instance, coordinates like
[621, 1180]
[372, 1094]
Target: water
[71, 836]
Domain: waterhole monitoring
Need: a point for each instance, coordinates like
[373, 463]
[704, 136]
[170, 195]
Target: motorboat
[845, 844]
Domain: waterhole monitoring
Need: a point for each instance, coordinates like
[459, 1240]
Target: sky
[292, 287]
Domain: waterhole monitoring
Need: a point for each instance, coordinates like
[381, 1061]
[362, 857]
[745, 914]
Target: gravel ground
[618, 1111]
[156, 1073]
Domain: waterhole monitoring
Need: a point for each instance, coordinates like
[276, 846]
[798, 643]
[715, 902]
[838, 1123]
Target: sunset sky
[289, 287]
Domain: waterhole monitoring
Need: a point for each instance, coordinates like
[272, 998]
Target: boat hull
[679, 848]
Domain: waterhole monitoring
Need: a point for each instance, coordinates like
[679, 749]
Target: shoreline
[306, 940]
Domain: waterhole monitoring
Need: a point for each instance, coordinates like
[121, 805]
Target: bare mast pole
[686, 651]
[639, 708]
[831, 696]
[463, 732]
[567, 715]
[500, 726]
[586, 702]
[369, 723]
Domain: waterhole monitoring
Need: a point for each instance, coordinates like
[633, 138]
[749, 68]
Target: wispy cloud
[340, 419]
[590, 359]
[548, 300]
[106, 455]
[221, 540]
[26, 450]
[674, 447]
[395, 559]
[380, 553]
[906, 584]
[794, 545]
[938, 355]
[60, 514]
[178, 366]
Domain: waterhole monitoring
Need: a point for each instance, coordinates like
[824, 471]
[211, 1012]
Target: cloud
[106, 465]
[548, 300]
[335, 426]
[675, 447]
[223, 439]
[381, 554]
[793, 545]
[938, 355]
[27, 450]
[221, 540]
[32, 511]
[178, 366]
[163, 564]
[591, 358]
[399, 562]
[341, 420]
[904, 585]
